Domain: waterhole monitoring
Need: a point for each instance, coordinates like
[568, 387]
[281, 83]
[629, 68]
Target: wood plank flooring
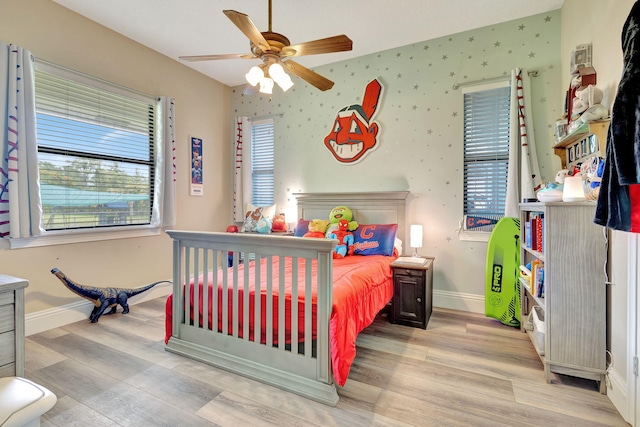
[464, 370]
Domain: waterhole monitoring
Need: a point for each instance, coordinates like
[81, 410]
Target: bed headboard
[379, 207]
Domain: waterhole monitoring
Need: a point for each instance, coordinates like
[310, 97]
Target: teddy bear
[338, 213]
[317, 228]
[345, 240]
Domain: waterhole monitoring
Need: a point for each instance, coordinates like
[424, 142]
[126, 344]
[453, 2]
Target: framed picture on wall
[196, 167]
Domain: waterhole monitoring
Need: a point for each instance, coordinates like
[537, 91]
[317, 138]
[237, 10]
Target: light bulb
[254, 76]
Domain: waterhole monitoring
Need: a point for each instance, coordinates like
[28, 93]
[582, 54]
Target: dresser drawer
[7, 318]
[6, 298]
[7, 348]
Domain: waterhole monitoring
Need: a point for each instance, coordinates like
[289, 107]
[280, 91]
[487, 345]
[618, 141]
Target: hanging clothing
[618, 204]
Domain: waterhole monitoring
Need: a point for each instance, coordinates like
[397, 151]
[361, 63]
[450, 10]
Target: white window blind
[262, 162]
[486, 152]
[95, 150]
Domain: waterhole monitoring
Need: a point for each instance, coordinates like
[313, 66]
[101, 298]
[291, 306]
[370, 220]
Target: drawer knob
[419, 299]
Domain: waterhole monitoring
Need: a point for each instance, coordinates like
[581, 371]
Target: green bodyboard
[502, 287]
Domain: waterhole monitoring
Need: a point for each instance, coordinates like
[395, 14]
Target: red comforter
[362, 286]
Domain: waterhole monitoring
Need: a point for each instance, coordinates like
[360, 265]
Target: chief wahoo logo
[354, 132]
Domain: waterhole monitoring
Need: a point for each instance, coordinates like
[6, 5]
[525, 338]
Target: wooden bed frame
[305, 370]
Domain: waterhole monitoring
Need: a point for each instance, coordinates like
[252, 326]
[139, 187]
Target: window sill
[474, 236]
[82, 236]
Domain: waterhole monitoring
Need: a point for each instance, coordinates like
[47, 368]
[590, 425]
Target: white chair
[22, 402]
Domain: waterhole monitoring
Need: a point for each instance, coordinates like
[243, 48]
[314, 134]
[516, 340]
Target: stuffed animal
[338, 213]
[279, 223]
[345, 240]
[317, 228]
[264, 225]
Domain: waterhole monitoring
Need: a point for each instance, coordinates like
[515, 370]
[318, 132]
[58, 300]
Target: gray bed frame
[305, 370]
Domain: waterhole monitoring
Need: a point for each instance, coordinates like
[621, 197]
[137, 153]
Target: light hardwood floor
[464, 370]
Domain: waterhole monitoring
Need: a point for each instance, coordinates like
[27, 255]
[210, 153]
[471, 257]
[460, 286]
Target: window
[96, 151]
[486, 155]
[262, 162]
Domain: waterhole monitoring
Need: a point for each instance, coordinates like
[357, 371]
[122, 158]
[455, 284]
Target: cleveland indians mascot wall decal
[354, 132]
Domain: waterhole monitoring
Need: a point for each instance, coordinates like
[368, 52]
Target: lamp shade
[254, 76]
[573, 190]
[416, 236]
[266, 85]
[276, 72]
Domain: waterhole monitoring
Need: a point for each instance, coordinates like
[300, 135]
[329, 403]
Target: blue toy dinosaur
[103, 298]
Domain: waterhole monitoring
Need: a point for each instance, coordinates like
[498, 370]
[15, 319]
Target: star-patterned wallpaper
[420, 144]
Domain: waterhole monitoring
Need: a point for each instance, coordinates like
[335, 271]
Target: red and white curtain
[20, 203]
[523, 176]
[241, 167]
[165, 211]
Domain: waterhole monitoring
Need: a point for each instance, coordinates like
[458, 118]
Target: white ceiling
[198, 27]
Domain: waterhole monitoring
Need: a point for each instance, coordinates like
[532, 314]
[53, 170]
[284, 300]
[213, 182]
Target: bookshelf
[573, 300]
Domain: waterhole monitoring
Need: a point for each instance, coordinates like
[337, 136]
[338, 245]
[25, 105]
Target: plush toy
[264, 225]
[338, 213]
[345, 239]
[279, 223]
[317, 228]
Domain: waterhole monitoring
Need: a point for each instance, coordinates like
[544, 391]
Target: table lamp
[415, 238]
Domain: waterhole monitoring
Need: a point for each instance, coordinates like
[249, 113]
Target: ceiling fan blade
[309, 76]
[214, 57]
[339, 43]
[244, 23]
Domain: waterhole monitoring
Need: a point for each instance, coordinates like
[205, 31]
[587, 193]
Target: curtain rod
[268, 116]
[456, 86]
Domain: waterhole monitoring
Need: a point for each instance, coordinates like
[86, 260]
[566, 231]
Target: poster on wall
[196, 167]
[354, 132]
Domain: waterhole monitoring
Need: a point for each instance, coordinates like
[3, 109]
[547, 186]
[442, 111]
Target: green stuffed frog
[338, 213]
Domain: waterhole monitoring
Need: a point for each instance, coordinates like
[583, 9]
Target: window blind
[262, 163]
[95, 151]
[486, 151]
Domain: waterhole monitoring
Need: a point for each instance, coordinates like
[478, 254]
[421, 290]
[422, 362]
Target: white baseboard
[59, 316]
[458, 301]
[617, 393]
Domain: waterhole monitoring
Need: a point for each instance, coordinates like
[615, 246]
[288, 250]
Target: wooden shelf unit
[575, 297]
[587, 141]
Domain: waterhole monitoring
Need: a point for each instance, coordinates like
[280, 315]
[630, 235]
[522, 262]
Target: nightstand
[412, 293]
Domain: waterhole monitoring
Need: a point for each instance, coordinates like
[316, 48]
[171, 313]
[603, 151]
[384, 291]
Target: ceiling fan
[275, 51]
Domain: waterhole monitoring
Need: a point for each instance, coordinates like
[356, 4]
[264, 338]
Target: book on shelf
[411, 260]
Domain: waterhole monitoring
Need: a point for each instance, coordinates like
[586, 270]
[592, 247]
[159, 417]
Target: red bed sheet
[362, 286]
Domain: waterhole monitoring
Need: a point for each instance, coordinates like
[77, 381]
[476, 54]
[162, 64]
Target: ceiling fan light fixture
[254, 76]
[276, 72]
[266, 86]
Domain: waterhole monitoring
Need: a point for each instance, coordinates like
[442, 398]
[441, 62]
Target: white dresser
[12, 325]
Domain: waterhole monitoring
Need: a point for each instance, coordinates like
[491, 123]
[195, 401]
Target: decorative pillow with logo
[301, 228]
[374, 239]
[253, 214]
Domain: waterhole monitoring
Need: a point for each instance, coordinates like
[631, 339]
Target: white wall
[63, 37]
[420, 142]
[600, 23]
